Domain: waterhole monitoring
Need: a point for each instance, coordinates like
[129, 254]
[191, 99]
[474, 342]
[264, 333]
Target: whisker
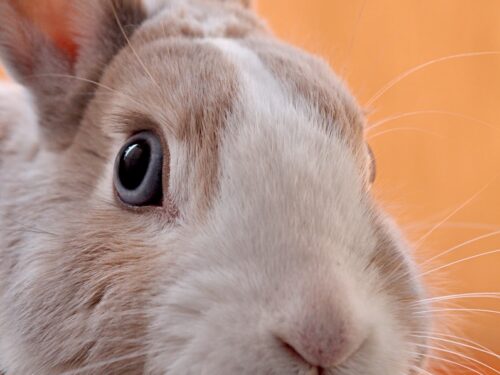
[354, 35]
[456, 224]
[461, 355]
[139, 60]
[444, 266]
[457, 343]
[486, 311]
[447, 335]
[492, 252]
[451, 362]
[417, 68]
[98, 84]
[456, 247]
[454, 212]
[428, 132]
[492, 295]
[421, 370]
[429, 112]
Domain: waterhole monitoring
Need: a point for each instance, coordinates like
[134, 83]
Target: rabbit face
[205, 208]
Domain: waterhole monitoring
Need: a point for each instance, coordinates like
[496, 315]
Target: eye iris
[134, 164]
[138, 174]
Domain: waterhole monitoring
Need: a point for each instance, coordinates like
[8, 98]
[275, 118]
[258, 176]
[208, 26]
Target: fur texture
[269, 258]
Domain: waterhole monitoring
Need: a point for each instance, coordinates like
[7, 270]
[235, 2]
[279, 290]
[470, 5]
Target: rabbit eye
[138, 171]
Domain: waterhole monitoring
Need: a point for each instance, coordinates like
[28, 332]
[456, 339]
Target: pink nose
[325, 337]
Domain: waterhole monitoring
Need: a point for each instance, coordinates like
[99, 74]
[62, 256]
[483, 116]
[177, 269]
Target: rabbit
[182, 193]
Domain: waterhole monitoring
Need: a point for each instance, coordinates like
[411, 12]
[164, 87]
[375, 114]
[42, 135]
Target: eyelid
[129, 123]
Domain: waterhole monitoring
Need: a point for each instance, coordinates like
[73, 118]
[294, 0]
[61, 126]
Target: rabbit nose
[324, 338]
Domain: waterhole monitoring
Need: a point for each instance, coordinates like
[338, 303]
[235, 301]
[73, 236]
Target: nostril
[320, 330]
[292, 352]
[321, 346]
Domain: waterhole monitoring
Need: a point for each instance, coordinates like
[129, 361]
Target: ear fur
[57, 63]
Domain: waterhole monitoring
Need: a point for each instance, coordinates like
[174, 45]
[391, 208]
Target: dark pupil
[134, 165]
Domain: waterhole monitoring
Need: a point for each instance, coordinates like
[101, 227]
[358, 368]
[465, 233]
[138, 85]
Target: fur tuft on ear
[56, 48]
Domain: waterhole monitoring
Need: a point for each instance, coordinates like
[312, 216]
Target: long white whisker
[429, 112]
[354, 35]
[461, 355]
[456, 224]
[430, 356]
[98, 84]
[417, 68]
[460, 261]
[421, 370]
[457, 343]
[139, 60]
[492, 295]
[447, 265]
[428, 132]
[447, 335]
[456, 247]
[486, 311]
[450, 215]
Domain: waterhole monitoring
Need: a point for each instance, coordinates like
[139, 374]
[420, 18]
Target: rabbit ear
[45, 44]
[26, 33]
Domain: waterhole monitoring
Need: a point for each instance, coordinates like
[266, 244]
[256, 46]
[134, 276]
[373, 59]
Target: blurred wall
[440, 144]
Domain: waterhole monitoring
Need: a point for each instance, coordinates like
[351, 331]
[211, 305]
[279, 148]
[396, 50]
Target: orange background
[429, 163]
[441, 144]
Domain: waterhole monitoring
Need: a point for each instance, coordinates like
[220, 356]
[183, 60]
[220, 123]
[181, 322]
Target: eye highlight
[138, 171]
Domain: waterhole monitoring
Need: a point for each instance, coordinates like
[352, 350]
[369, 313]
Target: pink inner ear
[53, 18]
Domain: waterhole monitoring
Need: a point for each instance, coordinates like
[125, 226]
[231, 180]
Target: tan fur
[309, 79]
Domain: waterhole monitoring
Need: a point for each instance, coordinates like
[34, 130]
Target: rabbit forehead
[281, 77]
[191, 87]
[283, 172]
